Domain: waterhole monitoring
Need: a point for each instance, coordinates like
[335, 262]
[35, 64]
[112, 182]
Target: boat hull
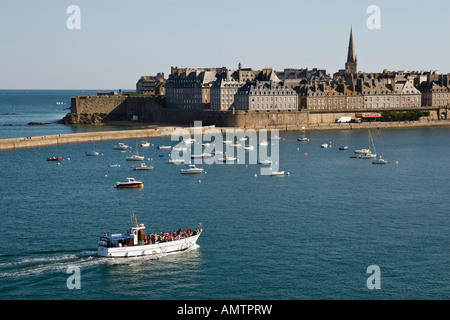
[149, 249]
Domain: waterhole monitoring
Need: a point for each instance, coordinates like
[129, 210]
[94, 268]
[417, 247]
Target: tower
[351, 66]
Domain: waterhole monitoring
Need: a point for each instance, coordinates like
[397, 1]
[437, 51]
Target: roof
[118, 236]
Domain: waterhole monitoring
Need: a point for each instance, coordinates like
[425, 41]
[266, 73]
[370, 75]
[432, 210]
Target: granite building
[151, 84]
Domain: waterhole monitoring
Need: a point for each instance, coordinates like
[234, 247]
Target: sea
[335, 228]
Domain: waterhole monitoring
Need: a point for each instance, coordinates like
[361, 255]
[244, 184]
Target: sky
[119, 41]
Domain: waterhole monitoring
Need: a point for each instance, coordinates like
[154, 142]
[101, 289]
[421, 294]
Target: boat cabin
[135, 236]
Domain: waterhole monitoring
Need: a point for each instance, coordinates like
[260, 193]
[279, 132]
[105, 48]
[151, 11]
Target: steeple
[351, 64]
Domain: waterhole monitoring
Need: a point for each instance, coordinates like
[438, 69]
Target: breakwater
[41, 141]
[164, 131]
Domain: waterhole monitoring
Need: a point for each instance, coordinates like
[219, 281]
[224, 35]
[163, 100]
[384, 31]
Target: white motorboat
[343, 148]
[236, 145]
[324, 145]
[227, 141]
[203, 155]
[188, 141]
[227, 159]
[379, 160]
[135, 157]
[143, 166]
[121, 146]
[192, 170]
[243, 139]
[265, 162]
[359, 151]
[137, 243]
[176, 161]
[303, 139]
[165, 147]
[179, 149]
[92, 153]
[263, 143]
[145, 144]
[249, 148]
[114, 165]
[277, 173]
[130, 183]
[367, 156]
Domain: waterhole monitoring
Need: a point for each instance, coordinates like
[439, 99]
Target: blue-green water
[309, 235]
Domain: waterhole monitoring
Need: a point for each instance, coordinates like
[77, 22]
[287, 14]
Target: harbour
[317, 229]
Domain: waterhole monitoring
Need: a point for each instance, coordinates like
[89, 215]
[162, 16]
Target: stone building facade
[151, 85]
[189, 88]
[266, 95]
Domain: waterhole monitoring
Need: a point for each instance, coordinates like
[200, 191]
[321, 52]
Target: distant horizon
[46, 48]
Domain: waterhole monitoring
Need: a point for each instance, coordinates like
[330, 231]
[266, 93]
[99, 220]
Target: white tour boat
[121, 146]
[137, 243]
[192, 169]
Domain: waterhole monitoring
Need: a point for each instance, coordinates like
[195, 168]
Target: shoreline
[143, 131]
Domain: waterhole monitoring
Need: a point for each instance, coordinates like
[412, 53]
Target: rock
[35, 123]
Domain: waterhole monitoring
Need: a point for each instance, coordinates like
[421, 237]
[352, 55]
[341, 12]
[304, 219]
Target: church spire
[351, 64]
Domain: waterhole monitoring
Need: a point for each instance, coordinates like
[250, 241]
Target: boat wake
[42, 263]
[38, 263]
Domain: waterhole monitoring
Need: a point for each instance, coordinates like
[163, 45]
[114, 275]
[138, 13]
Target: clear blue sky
[121, 40]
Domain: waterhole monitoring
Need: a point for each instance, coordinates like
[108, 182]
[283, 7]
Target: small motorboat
[145, 144]
[263, 143]
[303, 139]
[175, 161]
[324, 145]
[92, 153]
[180, 149]
[367, 156]
[379, 161]
[192, 169]
[165, 147]
[359, 151]
[135, 157]
[227, 159]
[121, 146]
[143, 166]
[343, 148]
[130, 183]
[54, 159]
[227, 141]
[249, 148]
[114, 165]
[265, 162]
[277, 173]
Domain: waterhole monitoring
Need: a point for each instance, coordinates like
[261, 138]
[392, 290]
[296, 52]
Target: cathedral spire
[351, 64]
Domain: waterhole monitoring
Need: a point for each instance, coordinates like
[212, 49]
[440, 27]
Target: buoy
[255, 175]
[199, 181]
[306, 153]
[396, 162]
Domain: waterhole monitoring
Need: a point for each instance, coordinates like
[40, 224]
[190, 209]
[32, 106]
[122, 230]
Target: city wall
[152, 110]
